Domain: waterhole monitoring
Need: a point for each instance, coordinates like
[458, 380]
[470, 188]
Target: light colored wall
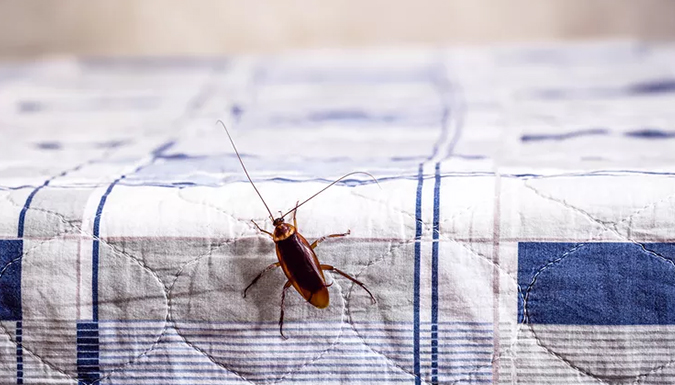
[137, 27]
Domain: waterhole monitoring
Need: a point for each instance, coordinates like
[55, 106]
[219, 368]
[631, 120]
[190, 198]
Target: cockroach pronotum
[296, 256]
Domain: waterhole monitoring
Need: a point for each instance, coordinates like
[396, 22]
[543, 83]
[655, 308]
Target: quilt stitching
[123, 253]
[605, 228]
[442, 237]
[211, 358]
[64, 220]
[446, 92]
[350, 319]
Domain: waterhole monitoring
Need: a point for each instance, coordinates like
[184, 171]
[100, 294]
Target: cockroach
[296, 256]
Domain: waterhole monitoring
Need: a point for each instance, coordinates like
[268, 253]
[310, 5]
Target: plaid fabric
[521, 233]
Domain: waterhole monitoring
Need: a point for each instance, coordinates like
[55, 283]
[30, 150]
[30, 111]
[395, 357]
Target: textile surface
[521, 232]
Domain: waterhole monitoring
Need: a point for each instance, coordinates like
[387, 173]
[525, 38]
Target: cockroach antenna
[246, 171]
[325, 188]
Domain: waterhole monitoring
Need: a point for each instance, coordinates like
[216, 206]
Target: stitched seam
[167, 293]
[444, 237]
[172, 318]
[383, 257]
[202, 91]
[115, 250]
[343, 312]
[613, 230]
[209, 356]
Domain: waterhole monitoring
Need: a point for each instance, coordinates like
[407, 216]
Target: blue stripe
[89, 326]
[156, 153]
[416, 283]
[555, 296]
[159, 151]
[458, 115]
[87, 341]
[90, 362]
[434, 278]
[11, 252]
[19, 332]
[19, 353]
[95, 249]
[352, 182]
[88, 369]
[18, 309]
[26, 206]
[443, 88]
[444, 131]
[87, 332]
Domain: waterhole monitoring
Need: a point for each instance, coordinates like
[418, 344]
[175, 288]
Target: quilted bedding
[521, 233]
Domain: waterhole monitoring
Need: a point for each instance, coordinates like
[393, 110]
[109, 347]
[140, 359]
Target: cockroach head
[278, 221]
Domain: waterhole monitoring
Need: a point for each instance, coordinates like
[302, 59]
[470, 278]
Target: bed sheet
[521, 232]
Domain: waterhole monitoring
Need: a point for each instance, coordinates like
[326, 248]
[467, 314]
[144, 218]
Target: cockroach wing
[303, 269]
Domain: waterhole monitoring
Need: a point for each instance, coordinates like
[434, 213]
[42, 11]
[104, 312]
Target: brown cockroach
[296, 256]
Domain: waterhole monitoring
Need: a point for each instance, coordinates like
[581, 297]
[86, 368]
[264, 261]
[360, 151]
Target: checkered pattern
[521, 231]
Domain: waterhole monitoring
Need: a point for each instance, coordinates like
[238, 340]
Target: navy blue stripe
[95, 248]
[416, 283]
[19, 331]
[88, 369]
[88, 333]
[87, 362]
[20, 231]
[444, 131]
[10, 284]
[88, 342]
[458, 115]
[19, 353]
[156, 153]
[90, 326]
[434, 278]
[26, 206]
[443, 87]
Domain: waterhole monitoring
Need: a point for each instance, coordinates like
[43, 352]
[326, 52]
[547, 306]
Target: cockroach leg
[281, 317]
[349, 277]
[316, 243]
[295, 212]
[268, 268]
[261, 230]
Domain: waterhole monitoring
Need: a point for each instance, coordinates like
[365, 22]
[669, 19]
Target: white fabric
[518, 187]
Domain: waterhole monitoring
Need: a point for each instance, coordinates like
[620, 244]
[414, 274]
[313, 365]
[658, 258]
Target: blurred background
[30, 28]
